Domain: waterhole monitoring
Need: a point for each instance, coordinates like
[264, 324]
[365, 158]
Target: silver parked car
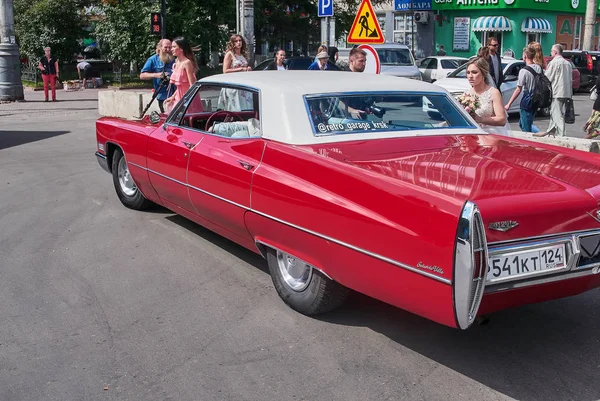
[438, 67]
[395, 59]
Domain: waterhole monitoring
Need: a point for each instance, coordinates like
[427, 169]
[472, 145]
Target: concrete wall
[127, 104]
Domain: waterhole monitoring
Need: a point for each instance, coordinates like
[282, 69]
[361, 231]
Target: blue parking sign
[325, 8]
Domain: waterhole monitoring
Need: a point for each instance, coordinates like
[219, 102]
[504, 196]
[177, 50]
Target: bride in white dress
[490, 115]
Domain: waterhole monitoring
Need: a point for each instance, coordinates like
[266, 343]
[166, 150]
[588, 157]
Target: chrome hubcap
[125, 181]
[295, 272]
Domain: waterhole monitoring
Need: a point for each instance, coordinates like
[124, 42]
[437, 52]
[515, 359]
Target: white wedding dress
[486, 109]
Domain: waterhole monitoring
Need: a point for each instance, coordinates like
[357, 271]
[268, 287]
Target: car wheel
[127, 191]
[301, 286]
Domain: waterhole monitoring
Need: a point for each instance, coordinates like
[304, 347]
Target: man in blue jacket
[158, 67]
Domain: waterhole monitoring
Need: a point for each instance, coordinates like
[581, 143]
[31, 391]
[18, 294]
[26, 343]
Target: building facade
[463, 26]
[409, 22]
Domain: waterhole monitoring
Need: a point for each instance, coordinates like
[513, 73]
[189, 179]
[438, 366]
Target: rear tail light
[590, 62]
[470, 265]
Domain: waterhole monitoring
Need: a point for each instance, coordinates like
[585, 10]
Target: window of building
[533, 37]
[404, 29]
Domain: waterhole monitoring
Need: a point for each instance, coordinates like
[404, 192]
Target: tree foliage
[123, 30]
[55, 23]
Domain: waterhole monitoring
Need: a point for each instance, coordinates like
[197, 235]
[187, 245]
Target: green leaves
[55, 23]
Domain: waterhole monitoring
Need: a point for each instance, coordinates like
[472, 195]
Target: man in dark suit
[495, 61]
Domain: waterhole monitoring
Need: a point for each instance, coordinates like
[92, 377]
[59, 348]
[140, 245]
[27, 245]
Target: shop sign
[569, 32]
[462, 34]
[408, 5]
[547, 5]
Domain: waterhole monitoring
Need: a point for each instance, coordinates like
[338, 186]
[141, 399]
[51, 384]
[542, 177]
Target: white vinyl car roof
[283, 113]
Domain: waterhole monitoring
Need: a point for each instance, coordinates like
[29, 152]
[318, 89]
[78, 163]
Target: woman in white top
[235, 61]
[236, 55]
[277, 63]
[490, 115]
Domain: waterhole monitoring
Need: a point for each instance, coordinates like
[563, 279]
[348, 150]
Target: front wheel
[301, 286]
[128, 193]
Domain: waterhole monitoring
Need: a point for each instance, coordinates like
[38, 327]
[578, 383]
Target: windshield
[461, 72]
[451, 64]
[375, 112]
[395, 57]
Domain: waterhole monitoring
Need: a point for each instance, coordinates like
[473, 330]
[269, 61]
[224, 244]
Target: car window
[263, 66]
[460, 72]
[451, 64]
[425, 63]
[376, 112]
[434, 64]
[514, 69]
[299, 63]
[395, 57]
[225, 111]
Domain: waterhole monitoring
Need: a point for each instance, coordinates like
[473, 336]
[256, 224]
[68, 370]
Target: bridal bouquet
[469, 101]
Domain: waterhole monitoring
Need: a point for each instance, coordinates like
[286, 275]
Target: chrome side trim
[281, 250]
[588, 231]
[490, 289]
[306, 230]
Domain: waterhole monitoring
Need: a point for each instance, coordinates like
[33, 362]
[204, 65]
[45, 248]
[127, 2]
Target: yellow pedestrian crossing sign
[365, 28]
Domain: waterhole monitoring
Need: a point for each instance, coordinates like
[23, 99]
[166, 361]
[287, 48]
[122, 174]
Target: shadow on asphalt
[546, 351]
[238, 251]
[9, 139]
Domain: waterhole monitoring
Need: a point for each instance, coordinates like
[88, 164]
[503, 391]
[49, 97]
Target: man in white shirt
[560, 74]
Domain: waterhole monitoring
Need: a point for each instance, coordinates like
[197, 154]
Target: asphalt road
[99, 302]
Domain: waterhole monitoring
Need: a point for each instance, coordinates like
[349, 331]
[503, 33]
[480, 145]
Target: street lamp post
[11, 88]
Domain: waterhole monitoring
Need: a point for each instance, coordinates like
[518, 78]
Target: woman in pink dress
[184, 71]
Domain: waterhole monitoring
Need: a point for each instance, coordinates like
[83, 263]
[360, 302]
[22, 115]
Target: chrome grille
[589, 246]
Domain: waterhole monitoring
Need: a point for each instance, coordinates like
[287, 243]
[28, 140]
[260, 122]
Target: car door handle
[188, 144]
[245, 165]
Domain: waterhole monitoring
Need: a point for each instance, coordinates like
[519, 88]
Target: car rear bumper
[102, 161]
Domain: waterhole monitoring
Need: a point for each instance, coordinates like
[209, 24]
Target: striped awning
[497, 24]
[536, 25]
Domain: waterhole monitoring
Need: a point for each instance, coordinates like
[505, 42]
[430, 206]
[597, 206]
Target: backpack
[541, 97]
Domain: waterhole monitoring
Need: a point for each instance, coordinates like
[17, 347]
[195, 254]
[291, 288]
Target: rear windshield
[452, 63]
[375, 112]
[395, 57]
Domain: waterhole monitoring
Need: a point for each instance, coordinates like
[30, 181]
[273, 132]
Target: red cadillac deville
[345, 181]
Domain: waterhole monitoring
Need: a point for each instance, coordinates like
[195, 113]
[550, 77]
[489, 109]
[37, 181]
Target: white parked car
[456, 83]
[438, 67]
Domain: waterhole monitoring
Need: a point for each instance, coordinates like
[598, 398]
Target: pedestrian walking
[560, 74]
[277, 63]
[495, 61]
[539, 54]
[159, 68]
[526, 84]
[321, 63]
[49, 66]
[184, 71]
[236, 55]
[321, 49]
[333, 54]
[357, 60]
[85, 68]
[592, 126]
[441, 52]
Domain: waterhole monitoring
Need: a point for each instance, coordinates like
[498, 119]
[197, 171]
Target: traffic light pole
[163, 14]
[11, 88]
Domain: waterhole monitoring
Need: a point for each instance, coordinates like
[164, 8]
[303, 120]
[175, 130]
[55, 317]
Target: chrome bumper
[102, 161]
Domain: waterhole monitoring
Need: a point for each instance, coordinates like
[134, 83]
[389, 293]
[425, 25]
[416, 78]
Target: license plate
[526, 263]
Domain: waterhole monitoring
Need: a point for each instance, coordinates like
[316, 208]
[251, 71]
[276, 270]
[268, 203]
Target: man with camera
[158, 68]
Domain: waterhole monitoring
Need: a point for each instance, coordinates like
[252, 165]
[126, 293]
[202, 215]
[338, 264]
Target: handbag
[569, 112]
[593, 93]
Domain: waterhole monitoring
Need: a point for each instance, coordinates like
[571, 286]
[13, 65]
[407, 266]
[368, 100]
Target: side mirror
[511, 78]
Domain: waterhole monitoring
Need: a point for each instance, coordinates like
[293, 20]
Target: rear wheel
[301, 286]
[128, 193]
